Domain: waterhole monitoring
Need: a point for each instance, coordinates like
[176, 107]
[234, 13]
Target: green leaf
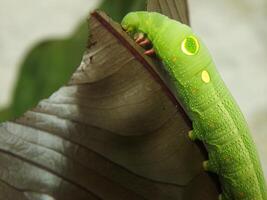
[117, 9]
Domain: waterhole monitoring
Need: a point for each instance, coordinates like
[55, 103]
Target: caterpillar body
[216, 118]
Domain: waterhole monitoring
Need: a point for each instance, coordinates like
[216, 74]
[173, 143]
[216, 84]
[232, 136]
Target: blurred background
[236, 34]
[41, 43]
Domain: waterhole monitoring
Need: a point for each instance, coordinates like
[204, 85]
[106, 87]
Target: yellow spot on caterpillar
[205, 76]
[174, 59]
[190, 45]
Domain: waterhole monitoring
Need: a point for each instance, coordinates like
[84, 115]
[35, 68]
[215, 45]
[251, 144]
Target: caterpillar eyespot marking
[205, 76]
[190, 46]
[216, 117]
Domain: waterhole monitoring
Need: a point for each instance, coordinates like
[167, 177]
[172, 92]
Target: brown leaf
[175, 9]
[111, 133]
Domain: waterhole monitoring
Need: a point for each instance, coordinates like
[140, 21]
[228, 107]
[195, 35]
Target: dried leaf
[111, 133]
[49, 65]
[25, 27]
[175, 9]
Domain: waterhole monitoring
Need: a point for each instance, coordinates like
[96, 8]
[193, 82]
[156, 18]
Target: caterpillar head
[131, 23]
[175, 44]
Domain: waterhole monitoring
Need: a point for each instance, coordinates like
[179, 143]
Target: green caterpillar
[216, 118]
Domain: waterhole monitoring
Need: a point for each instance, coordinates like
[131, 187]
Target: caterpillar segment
[216, 117]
